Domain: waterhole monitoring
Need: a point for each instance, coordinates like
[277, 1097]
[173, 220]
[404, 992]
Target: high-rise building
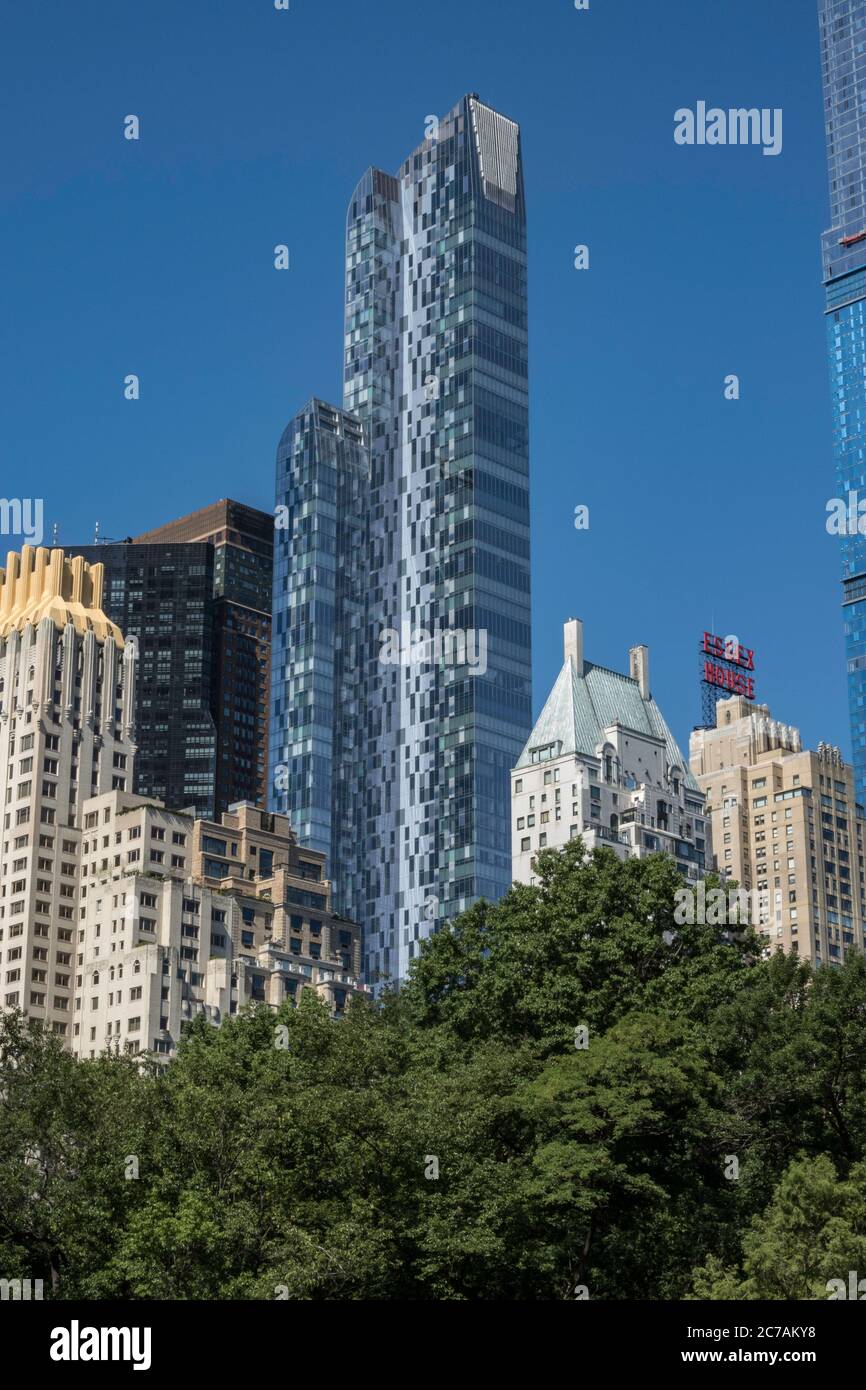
[67, 731]
[181, 917]
[843, 68]
[197, 595]
[787, 827]
[436, 370]
[163, 596]
[602, 764]
[243, 554]
[321, 577]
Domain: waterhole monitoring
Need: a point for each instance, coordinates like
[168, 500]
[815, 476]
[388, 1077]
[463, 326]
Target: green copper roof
[580, 708]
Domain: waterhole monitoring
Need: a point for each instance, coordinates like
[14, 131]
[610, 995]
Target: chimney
[572, 632]
[638, 664]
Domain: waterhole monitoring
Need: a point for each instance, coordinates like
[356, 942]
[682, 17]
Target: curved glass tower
[843, 71]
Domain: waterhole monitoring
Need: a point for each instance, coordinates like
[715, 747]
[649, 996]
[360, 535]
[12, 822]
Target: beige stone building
[602, 764]
[67, 701]
[120, 919]
[182, 917]
[785, 825]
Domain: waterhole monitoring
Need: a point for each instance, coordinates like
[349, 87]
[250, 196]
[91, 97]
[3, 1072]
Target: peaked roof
[580, 708]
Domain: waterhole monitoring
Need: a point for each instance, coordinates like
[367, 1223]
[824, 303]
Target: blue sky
[156, 257]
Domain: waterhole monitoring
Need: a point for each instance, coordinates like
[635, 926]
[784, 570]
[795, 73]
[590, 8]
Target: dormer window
[545, 752]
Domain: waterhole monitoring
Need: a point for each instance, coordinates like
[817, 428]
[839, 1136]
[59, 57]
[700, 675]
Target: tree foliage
[572, 1094]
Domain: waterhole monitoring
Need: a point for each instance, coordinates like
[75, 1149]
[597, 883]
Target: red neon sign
[730, 651]
[728, 679]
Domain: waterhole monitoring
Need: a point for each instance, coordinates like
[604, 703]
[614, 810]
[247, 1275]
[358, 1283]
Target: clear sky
[155, 257]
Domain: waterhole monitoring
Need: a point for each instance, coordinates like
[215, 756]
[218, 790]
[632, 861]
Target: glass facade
[843, 66]
[243, 543]
[436, 368]
[317, 759]
[401, 689]
[163, 595]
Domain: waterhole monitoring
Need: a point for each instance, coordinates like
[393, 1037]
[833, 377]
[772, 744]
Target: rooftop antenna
[96, 534]
[55, 535]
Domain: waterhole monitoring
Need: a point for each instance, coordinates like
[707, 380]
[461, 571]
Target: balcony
[605, 833]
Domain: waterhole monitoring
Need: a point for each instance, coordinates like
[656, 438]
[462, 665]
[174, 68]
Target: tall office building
[67, 730]
[843, 66]
[436, 369]
[243, 554]
[163, 596]
[786, 826]
[317, 745]
[197, 595]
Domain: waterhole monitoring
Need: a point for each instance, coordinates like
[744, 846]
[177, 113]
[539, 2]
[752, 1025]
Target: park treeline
[573, 1096]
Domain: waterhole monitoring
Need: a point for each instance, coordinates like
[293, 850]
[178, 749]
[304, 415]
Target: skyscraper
[243, 554]
[67, 730]
[436, 368]
[163, 596]
[843, 68]
[317, 744]
[197, 594]
[418, 579]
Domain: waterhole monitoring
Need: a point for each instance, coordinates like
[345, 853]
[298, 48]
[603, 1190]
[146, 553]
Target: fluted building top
[41, 583]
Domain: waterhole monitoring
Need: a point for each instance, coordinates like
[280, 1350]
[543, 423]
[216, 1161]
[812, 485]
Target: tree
[813, 1231]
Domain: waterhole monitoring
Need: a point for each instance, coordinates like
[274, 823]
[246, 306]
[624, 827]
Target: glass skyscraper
[318, 720]
[436, 374]
[163, 595]
[243, 544]
[436, 367]
[843, 67]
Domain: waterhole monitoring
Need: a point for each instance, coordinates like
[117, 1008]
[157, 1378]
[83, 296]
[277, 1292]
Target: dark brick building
[197, 594]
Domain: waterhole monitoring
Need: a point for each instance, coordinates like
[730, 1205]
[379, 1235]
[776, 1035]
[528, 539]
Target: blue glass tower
[436, 368]
[843, 68]
[401, 677]
[318, 711]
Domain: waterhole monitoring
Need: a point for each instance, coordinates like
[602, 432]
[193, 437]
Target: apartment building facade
[67, 733]
[601, 763]
[787, 826]
[182, 917]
